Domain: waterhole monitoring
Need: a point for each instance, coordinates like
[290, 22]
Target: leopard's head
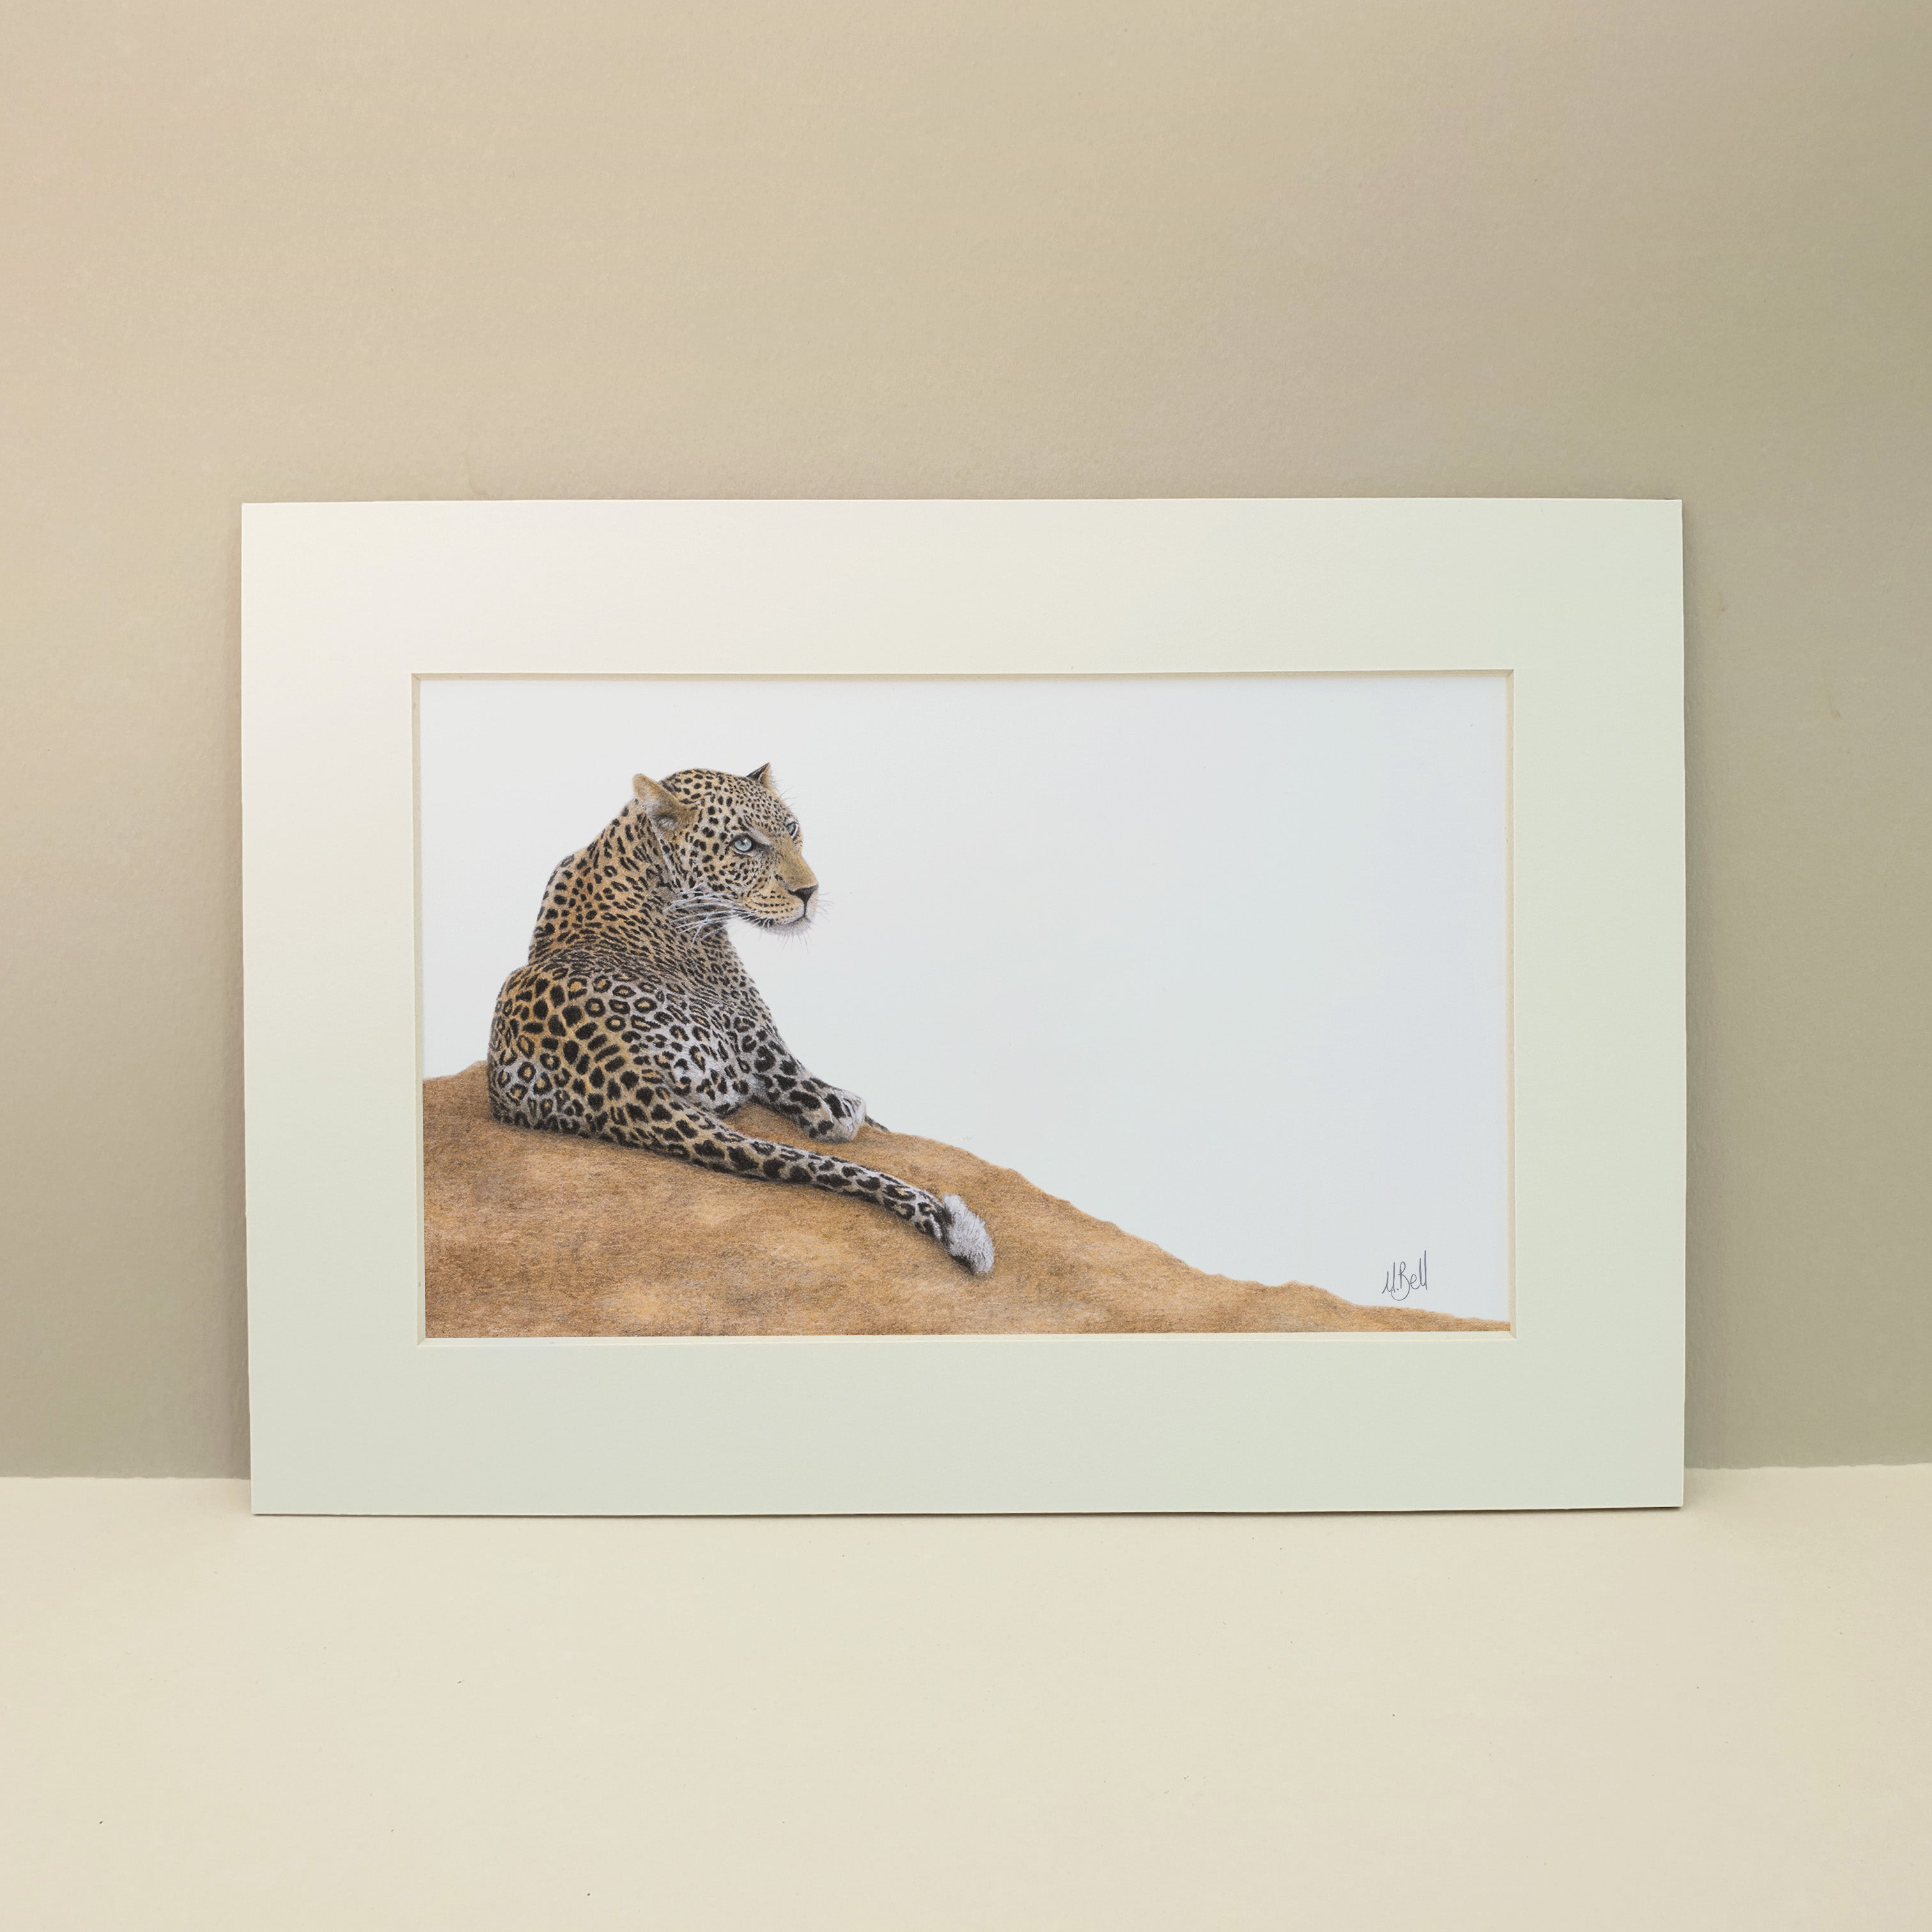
[731, 845]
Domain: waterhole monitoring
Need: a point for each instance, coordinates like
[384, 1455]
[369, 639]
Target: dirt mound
[535, 1234]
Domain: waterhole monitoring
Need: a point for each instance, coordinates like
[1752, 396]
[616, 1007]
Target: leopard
[634, 1020]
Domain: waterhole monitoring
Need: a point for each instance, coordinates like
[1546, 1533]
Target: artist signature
[1406, 1278]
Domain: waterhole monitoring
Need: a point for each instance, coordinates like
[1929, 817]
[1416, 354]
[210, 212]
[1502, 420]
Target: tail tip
[967, 1239]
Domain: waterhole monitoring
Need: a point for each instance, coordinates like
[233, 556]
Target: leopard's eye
[742, 845]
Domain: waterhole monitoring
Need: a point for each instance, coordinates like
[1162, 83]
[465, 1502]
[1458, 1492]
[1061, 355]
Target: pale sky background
[1222, 960]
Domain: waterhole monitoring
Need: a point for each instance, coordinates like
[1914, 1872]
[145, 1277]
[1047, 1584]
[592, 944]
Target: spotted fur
[634, 1020]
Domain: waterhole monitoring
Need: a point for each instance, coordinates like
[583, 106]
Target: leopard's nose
[803, 894]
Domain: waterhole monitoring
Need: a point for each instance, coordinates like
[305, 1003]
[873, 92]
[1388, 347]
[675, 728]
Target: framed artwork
[823, 1007]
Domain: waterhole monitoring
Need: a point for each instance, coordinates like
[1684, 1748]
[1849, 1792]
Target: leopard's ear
[763, 776]
[660, 807]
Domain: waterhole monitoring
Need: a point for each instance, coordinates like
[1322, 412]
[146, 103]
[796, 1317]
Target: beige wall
[1505, 247]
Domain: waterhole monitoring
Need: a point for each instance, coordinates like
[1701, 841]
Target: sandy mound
[533, 1234]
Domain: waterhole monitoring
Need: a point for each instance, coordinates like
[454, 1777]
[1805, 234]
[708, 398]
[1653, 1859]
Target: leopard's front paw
[838, 1116]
